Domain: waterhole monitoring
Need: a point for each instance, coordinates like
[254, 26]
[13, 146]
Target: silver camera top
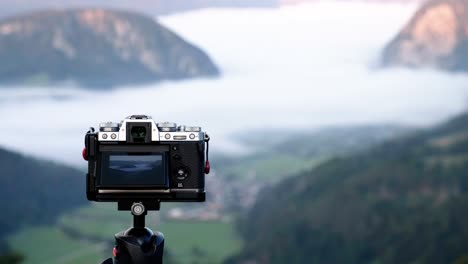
[142, 128]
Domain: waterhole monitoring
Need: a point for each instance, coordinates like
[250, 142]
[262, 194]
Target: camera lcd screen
[130, 169]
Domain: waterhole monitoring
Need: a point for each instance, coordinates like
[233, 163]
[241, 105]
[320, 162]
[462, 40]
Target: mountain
[436, 36]
[150, 7]
[35, 192]
[294, 2]
[95, 48]
[403, 201]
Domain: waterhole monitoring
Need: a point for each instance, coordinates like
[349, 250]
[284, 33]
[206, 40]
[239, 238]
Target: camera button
[181, 173]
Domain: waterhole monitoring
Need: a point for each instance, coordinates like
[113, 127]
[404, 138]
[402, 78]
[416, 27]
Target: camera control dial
[167, 126]
[182, 173]
[109, 127]
[192, 129]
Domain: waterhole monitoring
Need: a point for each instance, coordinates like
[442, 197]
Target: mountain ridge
[95, 48]
[150, 7]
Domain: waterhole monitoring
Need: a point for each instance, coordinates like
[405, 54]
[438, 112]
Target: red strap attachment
[85, 157]
[207, 167]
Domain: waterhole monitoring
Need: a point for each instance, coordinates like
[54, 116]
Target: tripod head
[138, 244]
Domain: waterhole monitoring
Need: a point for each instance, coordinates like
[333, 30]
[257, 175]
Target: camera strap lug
[207, 162]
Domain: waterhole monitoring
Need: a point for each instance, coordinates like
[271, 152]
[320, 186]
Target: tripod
[138, 244]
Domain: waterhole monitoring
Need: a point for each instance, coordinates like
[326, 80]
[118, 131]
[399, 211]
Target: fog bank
[303, 66]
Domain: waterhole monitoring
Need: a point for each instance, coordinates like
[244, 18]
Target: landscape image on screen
[136, 169]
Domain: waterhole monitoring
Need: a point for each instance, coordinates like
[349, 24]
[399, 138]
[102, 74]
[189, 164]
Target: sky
[295, 67]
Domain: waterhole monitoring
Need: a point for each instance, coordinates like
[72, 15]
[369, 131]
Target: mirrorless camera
[141, 160]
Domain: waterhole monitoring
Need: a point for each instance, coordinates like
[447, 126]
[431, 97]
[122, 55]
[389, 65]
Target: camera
[141, 160]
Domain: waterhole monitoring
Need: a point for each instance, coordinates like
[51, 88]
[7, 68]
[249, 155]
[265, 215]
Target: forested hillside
[404, 201]
[36, 192]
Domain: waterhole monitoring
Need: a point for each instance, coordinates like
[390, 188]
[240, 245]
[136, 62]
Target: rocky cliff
[436, 36]
[95, 48]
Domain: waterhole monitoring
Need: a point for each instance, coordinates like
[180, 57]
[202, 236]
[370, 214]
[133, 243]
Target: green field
[51, 245]
[86, 236]
[205, 242]
[274, 167]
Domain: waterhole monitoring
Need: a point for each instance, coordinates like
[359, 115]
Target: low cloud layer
[302, 66]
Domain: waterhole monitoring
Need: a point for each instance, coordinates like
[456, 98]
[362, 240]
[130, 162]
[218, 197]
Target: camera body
[141, 160]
